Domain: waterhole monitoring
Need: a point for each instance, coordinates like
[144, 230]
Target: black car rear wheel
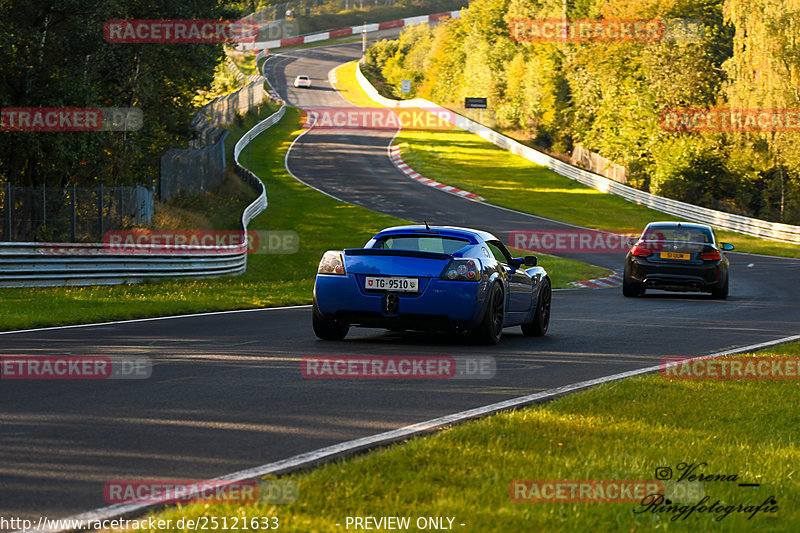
[541, 318]
[631, 288]
[721, 292]
[325, 328]
[490, 329]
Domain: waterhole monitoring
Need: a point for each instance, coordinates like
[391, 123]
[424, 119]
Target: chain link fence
[598, 164]
[71, 213]
[201, 167]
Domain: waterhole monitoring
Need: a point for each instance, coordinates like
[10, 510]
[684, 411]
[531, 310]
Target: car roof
[675, 224]
[472, 235]
[302, 76]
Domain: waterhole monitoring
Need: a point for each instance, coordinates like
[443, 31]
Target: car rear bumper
[442, 305]
[676, 277]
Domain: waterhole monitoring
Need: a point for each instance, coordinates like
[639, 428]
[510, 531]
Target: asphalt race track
[226, 391]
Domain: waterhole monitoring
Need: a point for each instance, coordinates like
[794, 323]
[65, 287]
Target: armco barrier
[725, 221]
[350, 30]
[36, 264]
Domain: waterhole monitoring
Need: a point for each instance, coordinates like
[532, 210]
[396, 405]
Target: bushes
[402, 59]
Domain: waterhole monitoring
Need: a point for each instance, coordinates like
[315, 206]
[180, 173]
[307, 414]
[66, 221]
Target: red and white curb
[394, 155]
[614, 280]
[353, 30]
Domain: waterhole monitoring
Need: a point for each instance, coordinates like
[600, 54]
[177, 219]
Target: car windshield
[422, 243]
[678, 234]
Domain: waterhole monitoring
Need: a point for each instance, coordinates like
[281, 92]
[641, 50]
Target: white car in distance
[302, 81]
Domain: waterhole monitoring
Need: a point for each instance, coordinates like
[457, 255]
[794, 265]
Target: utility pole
[364, 40]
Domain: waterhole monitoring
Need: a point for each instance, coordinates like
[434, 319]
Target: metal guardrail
[749, 226]
[37, 264]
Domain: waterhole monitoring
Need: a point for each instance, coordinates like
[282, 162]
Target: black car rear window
[674, 233]
[422, 243]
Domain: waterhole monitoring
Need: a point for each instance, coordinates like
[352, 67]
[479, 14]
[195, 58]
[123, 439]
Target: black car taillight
[713, 255]
[462, 270]
[640, 251]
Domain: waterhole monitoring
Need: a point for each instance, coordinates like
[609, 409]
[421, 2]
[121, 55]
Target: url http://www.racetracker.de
[200, 523]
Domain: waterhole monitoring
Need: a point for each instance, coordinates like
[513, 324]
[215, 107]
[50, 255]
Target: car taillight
[462, 270]
[331, 263]
[640, 251]
[711, 256]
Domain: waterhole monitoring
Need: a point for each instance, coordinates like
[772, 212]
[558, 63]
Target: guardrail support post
[44, 210]
[100, 209]
[8, 211]
[74, 214]
[121, 215]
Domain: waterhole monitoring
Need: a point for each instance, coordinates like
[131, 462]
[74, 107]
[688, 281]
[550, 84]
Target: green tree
[764, 73]
[53, 54]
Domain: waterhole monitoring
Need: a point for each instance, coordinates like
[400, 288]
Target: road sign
[405, 86]
[475, 103]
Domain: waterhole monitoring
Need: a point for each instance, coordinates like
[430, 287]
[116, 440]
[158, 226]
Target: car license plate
[392, 284]
[675, 255]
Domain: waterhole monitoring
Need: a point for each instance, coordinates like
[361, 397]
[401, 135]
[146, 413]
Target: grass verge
[465, 160]
[270, 280]
[618, 431]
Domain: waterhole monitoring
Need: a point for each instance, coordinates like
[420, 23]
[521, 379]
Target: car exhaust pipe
[391, 303]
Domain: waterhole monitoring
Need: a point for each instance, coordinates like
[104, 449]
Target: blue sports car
[430, 278]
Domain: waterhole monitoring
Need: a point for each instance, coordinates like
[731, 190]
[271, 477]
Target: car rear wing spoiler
[396, 253]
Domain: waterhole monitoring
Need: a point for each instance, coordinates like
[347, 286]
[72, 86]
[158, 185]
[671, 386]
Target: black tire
[721, 292]
[630, 288]
[541, 318]
[490, 329]
[325, 328]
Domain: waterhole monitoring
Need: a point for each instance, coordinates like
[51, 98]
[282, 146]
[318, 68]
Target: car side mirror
[530, 260]
[726, 246]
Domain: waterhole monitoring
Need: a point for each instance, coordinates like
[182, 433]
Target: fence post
[8, 211]
[121, 217]
[100, 208]
[44, 210]
[74, 215]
